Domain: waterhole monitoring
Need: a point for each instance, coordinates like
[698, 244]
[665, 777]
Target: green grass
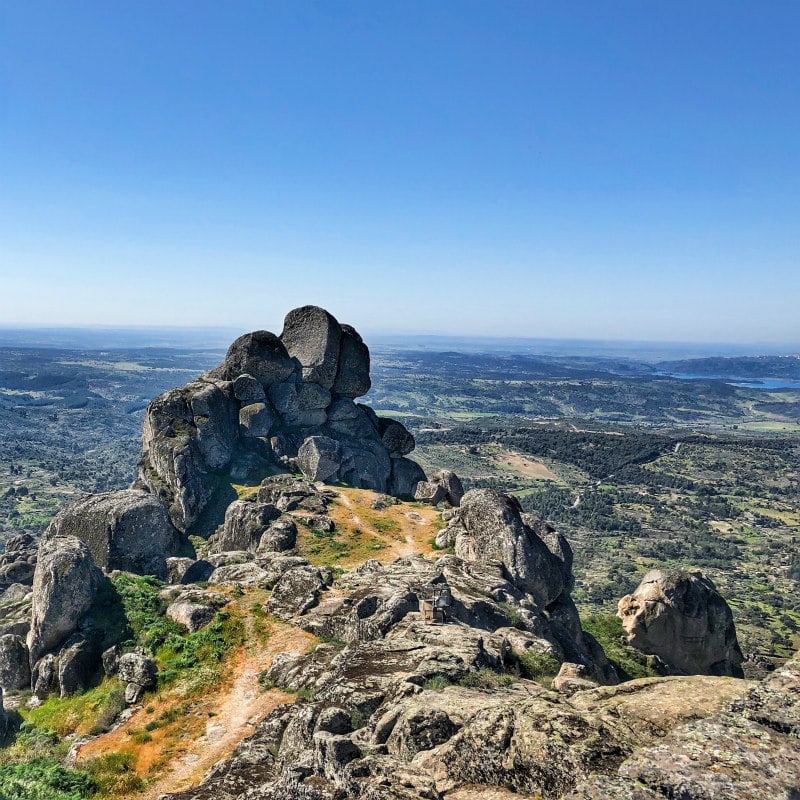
[487, 680]
[436, 683]
[607, 629]
[85, 712]
[195, 658]
[539, 667]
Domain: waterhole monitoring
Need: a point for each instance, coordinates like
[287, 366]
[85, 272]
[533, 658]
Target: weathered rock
[396, 439]
[248, 390]
[260, 354]
[366, 466]
[110, 660]
[245, 524]
[681, 618]
[177, 568]
[297, 591]
[288, 494]
[127, 530]
[216, 421]
[64, 588]
[44, 676]
[419, 728]
[230, 557]
[493, 530]
[319, 458]
[17, 591]
[15, 668]
[137, 669]
[312, 336]
[172, 467]
[248, 574]
[352, 376]
[275, 565]
[280, 536]
[334, 720]
[748, 752]
[429, 492]
[77, 663]
[573, 678]
[451, 483]
[195, 609]
[17, 572]
[255, 420]
[198, 572]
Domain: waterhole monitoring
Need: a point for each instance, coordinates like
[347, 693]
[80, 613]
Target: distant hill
[741, 367]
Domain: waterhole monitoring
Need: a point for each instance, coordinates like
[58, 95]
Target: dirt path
[227, 716]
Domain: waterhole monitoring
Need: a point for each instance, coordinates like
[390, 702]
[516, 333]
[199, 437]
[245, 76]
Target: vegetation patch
[608, 630]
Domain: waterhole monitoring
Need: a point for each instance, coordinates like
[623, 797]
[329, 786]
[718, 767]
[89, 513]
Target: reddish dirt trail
[229, 715]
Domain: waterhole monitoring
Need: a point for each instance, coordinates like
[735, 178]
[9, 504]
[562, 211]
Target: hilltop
[286, 605]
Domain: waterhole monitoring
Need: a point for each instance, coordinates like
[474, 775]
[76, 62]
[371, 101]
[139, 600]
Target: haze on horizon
[615, 171]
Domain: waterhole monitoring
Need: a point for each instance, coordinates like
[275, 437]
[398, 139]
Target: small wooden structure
[435, 603]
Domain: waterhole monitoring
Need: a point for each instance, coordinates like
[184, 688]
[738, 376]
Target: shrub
[44, 779]
[115, 775]
[436, 683]
[514, 618]
[608, 630]
[487, 680]
[539, 666]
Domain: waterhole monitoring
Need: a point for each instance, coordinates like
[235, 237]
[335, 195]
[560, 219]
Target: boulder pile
[275, 404]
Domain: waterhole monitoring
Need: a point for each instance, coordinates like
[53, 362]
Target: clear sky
[595, 169]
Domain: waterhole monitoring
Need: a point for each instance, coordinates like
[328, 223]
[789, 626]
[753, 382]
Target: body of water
[745, 383]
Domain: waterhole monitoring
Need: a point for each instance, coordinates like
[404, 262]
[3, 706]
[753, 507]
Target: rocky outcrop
[64, 588]
[245, 524]
[416, 714]
[681, 618]
[489, 527]
[127, 530]
[274, 403]
[747, 751]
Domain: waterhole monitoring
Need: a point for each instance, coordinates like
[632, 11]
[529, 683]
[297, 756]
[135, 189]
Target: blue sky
[614, 170]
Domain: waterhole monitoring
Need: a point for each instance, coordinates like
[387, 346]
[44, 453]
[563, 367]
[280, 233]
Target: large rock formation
[681, 618]
[274, 403]
[127, 530]
[64, 587]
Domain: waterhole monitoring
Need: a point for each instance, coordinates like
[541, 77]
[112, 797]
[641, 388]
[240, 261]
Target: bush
[608, 630]
[487, 680]
[44, 779]
[115, 775]
[436, 683]
[539, 666]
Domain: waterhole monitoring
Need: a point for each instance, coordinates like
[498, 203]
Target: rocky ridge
[434, 675]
